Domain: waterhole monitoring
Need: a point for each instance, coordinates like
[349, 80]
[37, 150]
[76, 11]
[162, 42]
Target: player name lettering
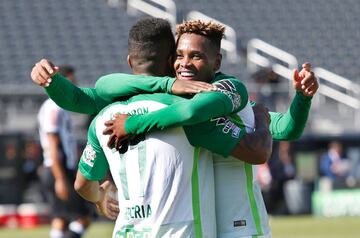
[138, 212]
[136, 111]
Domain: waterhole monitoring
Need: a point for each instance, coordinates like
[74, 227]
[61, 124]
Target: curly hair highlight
[211, 30]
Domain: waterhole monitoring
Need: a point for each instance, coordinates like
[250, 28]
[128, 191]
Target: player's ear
[217, 64]
[129, 61]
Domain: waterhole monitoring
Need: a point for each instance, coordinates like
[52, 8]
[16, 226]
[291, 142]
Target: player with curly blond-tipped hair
[240, 210]
[213, 31]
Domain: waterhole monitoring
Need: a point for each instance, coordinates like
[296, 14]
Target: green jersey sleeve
[290, 125]
[219, 135]
[113, 86]
[230, 97]
[72, 98]
[93, 164]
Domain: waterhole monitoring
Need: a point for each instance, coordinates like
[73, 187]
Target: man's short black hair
[149, 36]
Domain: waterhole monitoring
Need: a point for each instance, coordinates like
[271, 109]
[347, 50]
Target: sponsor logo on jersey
[138, 212]
[228, 126]
[228, 88]
[89, 155]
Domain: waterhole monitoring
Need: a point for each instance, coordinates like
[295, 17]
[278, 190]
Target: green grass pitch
[282, 227]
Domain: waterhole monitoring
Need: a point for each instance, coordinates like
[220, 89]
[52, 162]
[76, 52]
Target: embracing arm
[290, 126]
[222, 136]
[113, 86]
[200, 108]
[256, 147]
[72, 98]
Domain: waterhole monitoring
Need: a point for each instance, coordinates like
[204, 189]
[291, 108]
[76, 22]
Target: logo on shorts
[89, 155]
[228, 88]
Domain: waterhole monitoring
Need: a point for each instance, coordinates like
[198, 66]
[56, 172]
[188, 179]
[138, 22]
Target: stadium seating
[92, 36]
[323, 31]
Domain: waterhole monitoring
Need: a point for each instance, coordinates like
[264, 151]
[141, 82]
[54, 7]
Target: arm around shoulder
[256, 147]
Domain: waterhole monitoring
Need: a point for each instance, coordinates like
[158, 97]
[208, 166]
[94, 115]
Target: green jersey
[165, 186]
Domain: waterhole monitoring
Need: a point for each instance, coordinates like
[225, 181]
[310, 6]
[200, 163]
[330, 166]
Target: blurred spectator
[267, 82]
[70, 213]
[282, 169]
[32, 160]
[10, 173]
[333, 163]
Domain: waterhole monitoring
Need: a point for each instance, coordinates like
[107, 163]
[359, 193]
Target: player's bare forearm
[89, 190]
[256, 147]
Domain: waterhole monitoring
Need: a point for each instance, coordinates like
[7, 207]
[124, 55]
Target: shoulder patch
[89, 155]
[226, 87]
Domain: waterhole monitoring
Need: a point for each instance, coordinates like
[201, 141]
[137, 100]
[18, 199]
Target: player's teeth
[187, 74]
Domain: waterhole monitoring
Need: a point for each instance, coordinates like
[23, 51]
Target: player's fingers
[307, 66]
[308, 79]
[296, 75]
[303, 72]
[117, 143]
[39, 75]
[108, 130]
[44, 73]
[35, 78]
[113, 208]
[106, 185]
[113, 201]
[206, 86]
[310, 91]
[111, 215]
[111, 141]
[192, 90]
[48, 66]
[109, 123]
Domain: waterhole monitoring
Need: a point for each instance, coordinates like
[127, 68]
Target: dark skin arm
[256, 147]
[116, 129]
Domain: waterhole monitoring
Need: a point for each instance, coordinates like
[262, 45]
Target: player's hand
[42, 72]
[181, 87]
[261, 113]
[116, 129]
[305, 80]
[62, 189]
[108, 206]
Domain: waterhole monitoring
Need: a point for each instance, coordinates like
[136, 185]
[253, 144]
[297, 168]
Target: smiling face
[196, 58]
